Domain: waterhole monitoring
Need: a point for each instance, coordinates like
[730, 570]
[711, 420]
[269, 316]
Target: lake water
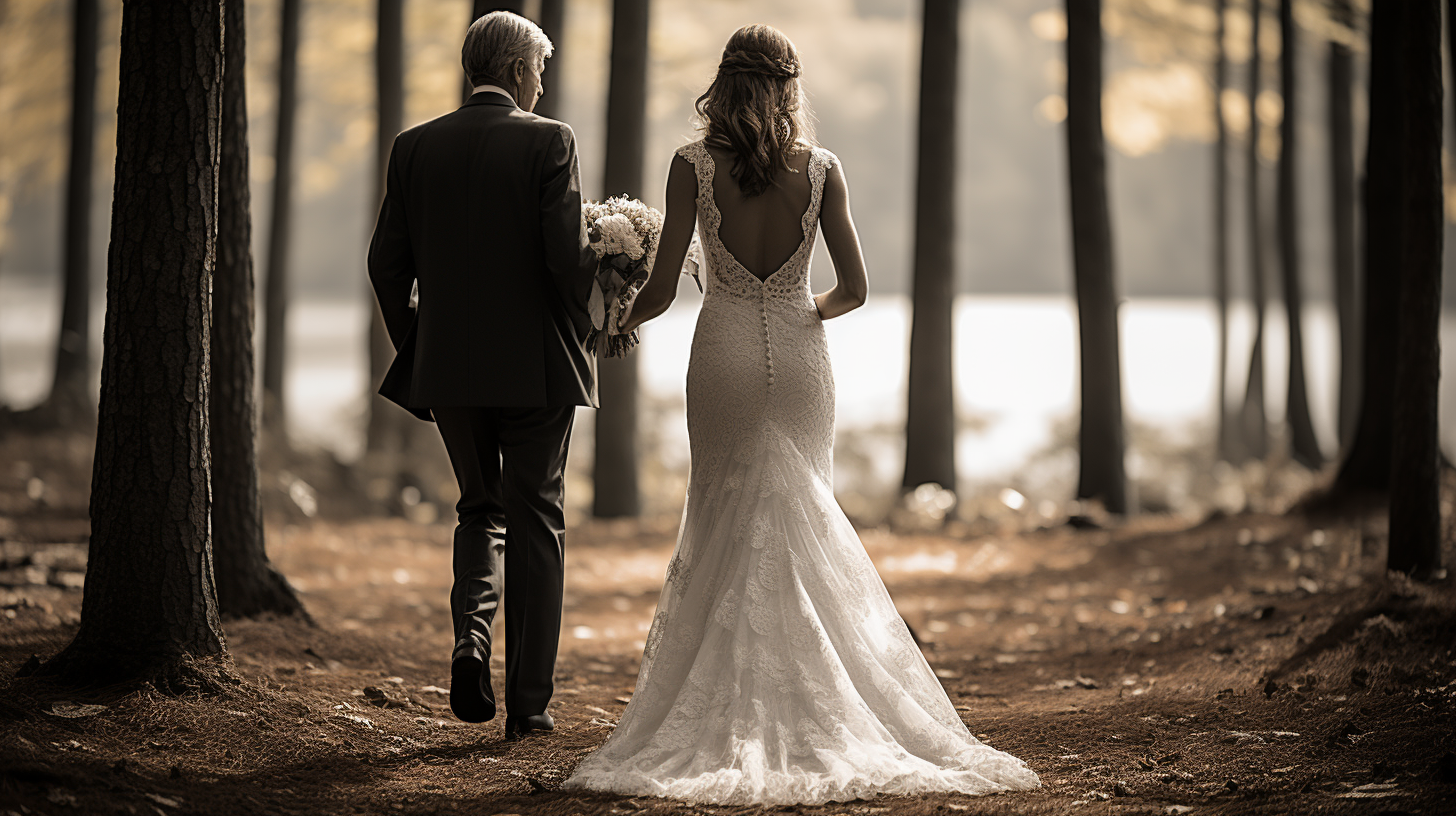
[1015, 363]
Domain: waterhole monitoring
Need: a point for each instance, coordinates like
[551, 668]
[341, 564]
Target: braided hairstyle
[755, 108]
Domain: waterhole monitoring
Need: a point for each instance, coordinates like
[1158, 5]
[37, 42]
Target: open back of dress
[762, 232]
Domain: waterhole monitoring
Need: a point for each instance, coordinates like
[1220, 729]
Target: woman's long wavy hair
[755, 107]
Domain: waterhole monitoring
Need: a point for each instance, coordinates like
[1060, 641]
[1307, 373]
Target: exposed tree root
[172, 675]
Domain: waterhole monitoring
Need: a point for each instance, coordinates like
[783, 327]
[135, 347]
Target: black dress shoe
[521, 726]
[471, 697]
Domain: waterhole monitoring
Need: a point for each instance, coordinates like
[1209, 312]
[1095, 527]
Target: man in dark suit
[482, 209]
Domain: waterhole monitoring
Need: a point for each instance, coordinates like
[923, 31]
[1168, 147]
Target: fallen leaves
[1149, 763]
[354, 718]
[1374, 790]
[74, 710]
[381, 698]
[1075, 682]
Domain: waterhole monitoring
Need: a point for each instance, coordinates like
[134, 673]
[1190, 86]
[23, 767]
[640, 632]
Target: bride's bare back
[761, 232]
[765, 230]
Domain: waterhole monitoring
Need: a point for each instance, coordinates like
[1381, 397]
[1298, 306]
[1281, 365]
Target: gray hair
[496, 41]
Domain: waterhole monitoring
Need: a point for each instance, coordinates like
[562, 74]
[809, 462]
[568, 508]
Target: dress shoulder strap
[696, 154]
[693, 152]
[826, 159]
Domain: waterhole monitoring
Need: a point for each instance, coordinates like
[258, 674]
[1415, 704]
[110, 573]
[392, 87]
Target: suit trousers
[511, 537]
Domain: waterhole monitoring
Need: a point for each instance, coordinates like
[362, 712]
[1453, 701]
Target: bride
[777, 670]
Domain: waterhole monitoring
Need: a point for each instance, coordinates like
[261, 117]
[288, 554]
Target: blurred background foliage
[861, 62]
[860, 58]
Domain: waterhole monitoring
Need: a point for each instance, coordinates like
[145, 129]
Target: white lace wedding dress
[777, 670]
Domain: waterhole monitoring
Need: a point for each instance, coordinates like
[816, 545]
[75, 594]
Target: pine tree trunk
[1253, 420]
[1304, 445]
[1221, 231]
[1415, 484]
[1366, 468]
[149, 602]
[614, 469]
[70, 401]
[275, 291]
[386, 424]
[1342, 174]
[247, 584]
[930, 422]
[553, 22]
[1101, 475]
[1450, 39]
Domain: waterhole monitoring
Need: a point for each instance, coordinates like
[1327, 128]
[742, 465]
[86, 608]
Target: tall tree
[1221, 227]
[1304, 446]
[1366, 467]
[1101, 474]
[480, 8]
[247, 585]
[614, 468]
[386, 426]
[930, 424]
[1342, 199]
[553, 22]
[70, 398]
[1253, 421]
[149, 601]
[280, 221]
[1415, 488]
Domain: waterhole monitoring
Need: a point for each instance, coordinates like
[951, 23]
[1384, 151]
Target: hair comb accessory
[754, 62]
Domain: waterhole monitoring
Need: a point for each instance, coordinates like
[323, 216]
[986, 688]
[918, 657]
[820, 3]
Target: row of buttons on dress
[767, 348]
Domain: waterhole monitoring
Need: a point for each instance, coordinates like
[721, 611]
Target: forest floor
[1246, 664]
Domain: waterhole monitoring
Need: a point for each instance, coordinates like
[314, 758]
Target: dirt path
[1252, 664]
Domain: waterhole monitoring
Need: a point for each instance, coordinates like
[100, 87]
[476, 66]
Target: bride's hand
[624, 325]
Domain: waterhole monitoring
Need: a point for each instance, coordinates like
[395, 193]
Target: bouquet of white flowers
[624, 233]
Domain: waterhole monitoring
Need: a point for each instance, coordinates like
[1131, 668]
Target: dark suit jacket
[483, 208]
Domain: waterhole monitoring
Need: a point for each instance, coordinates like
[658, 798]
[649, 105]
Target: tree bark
[930, 422]
[149, 603]
[1224, 441]
[1101, 475]
[1253, 420]
[1415, 482]
[247, 584]
[386, 425]
[275, 290]
[1342, 173]
[480, 8]
[553, 22]
[1366, 468]
[1304, 445]
[70, 402]
[614, 469]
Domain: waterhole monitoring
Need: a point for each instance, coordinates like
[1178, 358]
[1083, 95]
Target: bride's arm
[851, 283]
[677, 233]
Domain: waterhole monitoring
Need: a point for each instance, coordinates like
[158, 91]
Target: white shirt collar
[494, 89]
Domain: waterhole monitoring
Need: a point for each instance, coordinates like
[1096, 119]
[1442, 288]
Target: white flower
[619, 236]
[623, 226]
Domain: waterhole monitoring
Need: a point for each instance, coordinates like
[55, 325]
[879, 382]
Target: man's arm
[570, 261]
[391, 260]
